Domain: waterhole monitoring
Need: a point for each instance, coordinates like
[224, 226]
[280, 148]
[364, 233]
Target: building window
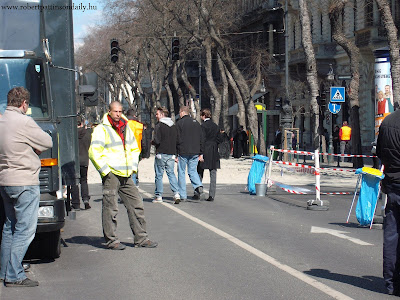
[321, 24]
[294, 37]
[369, 13]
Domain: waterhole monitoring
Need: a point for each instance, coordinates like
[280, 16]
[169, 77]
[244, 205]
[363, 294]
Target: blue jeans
[167, 163]
[191, 162]
[21, 205]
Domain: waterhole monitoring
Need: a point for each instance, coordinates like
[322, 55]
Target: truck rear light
[49, 162]
[46, 212]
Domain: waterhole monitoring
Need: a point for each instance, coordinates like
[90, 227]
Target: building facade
[362, 24]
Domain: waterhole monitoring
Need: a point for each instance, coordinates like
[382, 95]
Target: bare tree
[311, 65]
[349, 46]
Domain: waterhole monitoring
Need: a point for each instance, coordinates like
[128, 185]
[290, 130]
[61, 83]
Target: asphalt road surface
[238, 247]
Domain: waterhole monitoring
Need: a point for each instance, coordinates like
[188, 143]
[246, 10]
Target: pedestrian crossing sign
[337, 94]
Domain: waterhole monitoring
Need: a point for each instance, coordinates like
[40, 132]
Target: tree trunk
[311, 65]
[391, 32]
[353, 52]
[225, 103]
[241, 114]
[170, 99]
[216, 106]
[176, 84]
[192, 92]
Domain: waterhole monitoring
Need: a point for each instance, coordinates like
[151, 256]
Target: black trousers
[391, 230]
[84, 187]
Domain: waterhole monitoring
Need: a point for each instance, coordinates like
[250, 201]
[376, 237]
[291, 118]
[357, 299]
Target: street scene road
[240, 246]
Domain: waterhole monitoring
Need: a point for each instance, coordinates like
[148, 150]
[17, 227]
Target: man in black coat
[209, 159]
[388, 150]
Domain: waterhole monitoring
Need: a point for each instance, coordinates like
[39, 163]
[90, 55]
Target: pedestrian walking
[84, 138]
[114, 153]
[345, 137]
[21, 143]
[388, 151]
[165, 139]
[209, 159]
[188, 147]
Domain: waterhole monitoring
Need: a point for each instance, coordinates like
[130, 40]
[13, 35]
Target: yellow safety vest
[137, 129]
[345, 133]
[107, 151]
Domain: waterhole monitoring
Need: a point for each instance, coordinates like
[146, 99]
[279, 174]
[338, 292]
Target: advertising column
[383, 87]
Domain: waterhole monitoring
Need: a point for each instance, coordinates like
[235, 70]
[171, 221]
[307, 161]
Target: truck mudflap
[51, 216]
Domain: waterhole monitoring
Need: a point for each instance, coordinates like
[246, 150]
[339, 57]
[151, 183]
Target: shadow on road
[371, 283]
[94, 241]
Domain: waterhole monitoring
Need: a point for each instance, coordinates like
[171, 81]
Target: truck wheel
[52, 243]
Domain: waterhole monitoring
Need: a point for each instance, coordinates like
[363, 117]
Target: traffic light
[175, 48]
[114, 50]
[88, 89]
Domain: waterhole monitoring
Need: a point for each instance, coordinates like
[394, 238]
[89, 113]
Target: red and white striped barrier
[317, 174]
[312, 167]
[331, 154]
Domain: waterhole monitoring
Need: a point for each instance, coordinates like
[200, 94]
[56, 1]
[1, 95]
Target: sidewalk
[236, 170]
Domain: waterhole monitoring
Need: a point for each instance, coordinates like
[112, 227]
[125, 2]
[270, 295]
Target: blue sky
[84, 18]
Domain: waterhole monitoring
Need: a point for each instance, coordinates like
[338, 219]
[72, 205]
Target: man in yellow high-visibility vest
[345, 137]
[114, 153]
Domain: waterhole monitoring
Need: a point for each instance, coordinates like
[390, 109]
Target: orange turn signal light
[49, 162]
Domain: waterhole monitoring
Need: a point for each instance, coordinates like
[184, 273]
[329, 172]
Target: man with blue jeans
[165, 138]
[189, 139]
[21, 141]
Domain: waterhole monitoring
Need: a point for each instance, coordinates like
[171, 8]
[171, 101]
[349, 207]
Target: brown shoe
[118, 246]
[147, 244]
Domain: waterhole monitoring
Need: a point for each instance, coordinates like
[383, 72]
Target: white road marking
[339, 234]
[269, 259]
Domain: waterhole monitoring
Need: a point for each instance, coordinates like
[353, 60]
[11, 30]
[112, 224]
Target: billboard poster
[383, 91]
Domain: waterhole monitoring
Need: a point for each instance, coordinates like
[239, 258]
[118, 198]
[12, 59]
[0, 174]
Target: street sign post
[337, 94]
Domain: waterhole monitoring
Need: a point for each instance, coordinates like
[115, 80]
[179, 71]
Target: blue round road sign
[334, 107]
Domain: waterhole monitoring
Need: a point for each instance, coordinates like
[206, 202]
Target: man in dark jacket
[84, 138]
[188, 146]
[209, 159]
[165, 136]
[388, 150]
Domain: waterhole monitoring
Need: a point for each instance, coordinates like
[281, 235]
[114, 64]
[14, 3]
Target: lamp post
[330, 77]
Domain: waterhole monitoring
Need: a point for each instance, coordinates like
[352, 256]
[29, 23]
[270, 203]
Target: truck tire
[52, 244]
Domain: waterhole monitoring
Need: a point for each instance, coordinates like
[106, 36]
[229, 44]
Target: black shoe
[87, 205]
[210, 199]
[147, 244]
[118, 246]
[23, 283]
[199, 194]
[75, 207]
